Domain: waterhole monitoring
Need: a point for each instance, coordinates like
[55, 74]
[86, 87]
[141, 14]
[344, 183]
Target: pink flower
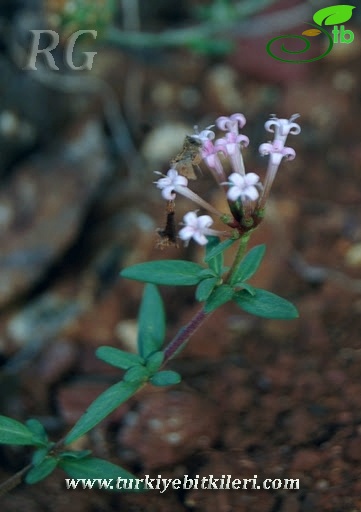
[231, 123]
[277, 151]
[231, 142]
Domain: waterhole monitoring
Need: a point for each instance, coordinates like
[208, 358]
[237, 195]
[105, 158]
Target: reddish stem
[184, 334]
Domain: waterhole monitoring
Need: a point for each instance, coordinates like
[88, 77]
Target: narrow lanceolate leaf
[218, 297]
[166, 378]
[265, 304]
[205, 288]
[118, 358]
[165, 272]
[100, 471]
[218, 249]
[14, 432]
[102, 406]
[151, 322]
[249, 264]
[41, 471]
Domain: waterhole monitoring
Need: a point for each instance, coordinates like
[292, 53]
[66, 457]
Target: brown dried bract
[168, 235]
[189, 156]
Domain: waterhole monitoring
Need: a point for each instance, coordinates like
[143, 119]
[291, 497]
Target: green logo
[334, 15]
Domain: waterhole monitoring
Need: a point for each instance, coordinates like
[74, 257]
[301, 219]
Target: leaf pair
[77, 464]
[252, 300]
[211, 289]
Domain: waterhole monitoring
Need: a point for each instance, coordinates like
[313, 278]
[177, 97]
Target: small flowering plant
[246, 197]
[215, 285]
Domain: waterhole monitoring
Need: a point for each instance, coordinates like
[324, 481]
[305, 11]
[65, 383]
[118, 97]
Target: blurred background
[78, 149]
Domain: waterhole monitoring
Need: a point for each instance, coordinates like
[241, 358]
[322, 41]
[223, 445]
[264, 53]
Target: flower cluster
[246, 194]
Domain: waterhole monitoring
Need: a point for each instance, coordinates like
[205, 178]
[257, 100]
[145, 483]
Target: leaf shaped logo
[311, 32]
[333, 15]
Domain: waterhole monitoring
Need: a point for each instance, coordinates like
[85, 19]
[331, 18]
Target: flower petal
[186, 233]
[265, 148]
[239, 118]
[204, 221]
[252, 193]
[190, 219]
[234, 193]
[236, 179]
[251, 178]
[200, 238]
[168, 193]
[222, 123]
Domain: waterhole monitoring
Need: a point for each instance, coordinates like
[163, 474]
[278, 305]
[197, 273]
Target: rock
[43, 318]
[42, 207]
[168, 427]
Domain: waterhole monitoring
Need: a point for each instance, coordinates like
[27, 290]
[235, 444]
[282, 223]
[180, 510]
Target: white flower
[204, 135]
[196, 228]
[242, 187]
[170, 183]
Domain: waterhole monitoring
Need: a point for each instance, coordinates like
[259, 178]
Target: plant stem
[239, 256]
[14, 480]
[184, 334]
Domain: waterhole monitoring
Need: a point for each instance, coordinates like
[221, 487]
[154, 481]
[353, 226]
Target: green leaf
[39, 455]
[218, 249]
[151, 322]
[218, 297]
[249, 264]
[102, 406]
[333, 15]
[216, 262]
[244, 286]
[98, 470]
[41, 471]
[265, 304]
[72, 454]
[166, 378]
[154, 361]
[119, 358]
[136, 375]
[38, 430]
[207, 272]
[205, 288]
[14, 432]
[165, 272]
